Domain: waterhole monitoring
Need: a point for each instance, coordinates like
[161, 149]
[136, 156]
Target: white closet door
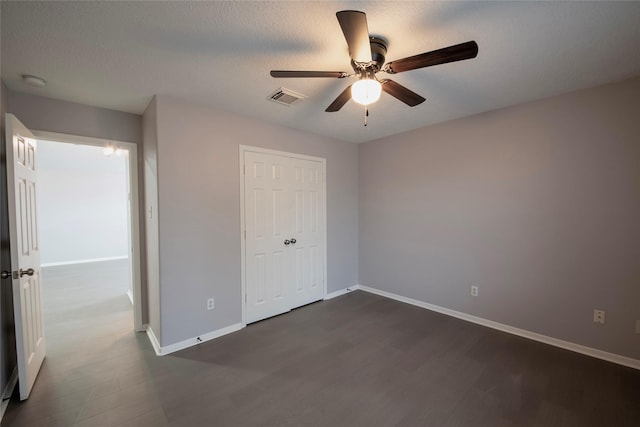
[308, 233]
[284, 205]
[267, 222]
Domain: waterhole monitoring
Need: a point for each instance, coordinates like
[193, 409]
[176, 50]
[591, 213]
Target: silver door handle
[293, 241]
[28, 272]
[286, 242]
[5, 275]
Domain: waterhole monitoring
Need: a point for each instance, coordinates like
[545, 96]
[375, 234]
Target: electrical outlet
[210, 304]
[474, 291]
[598, 316]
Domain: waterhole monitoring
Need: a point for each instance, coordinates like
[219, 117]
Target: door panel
[25, 255]
[309, 234]
[266, 222]
[299, 268]
[279, 275]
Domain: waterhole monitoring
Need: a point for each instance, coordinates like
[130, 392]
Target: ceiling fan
[367, 58]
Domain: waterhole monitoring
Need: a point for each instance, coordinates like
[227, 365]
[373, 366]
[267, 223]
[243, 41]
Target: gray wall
[150, 207]
[537, 204]
[52, 115]
[199, 211]
[82, 203]
[7, 326]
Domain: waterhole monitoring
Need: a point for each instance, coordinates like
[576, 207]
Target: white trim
[135, 245]
[162, 351]
[83, 261]
[8, 391]
[340, 292]
[243, 235]
[134, 236]
[246, 148]
[130, 295]
[567, 345]
[325, 224]
[79, 139]
[154, 341]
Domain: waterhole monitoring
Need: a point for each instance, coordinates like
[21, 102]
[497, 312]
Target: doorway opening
[87, 339]
[89, 247]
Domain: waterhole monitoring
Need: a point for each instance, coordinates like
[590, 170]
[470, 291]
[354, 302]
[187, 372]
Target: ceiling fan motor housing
[378, 54]
[378, 51]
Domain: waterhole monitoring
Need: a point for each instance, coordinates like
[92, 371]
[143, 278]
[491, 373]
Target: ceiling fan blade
[287, 73]
[339, 102]
[355, 30]
[454, 53]
[402, 93]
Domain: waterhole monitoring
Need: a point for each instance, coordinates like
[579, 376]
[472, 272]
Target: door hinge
[245, 234]
[244, 169]
[245, 298]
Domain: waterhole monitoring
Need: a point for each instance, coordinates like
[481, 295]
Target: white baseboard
[8, 391]
[340, 292]
[154, 341]
[83, 261]
[162, 351]
[567, 345]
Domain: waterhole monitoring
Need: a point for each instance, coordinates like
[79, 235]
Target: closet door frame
[323, 211]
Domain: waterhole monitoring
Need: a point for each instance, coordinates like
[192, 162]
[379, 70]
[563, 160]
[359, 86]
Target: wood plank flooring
[356, 360]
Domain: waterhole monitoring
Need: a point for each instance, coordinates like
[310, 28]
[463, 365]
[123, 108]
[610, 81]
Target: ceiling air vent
[286, 96]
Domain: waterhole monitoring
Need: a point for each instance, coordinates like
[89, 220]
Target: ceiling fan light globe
[366, 91]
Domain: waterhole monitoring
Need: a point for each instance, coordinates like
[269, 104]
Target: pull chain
[366, 114]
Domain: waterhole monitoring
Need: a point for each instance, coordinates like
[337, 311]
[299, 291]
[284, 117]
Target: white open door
[25, 252]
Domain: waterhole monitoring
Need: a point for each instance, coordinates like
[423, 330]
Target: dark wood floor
[357, 360]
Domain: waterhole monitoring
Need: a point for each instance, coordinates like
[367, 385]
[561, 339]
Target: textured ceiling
[119, 54]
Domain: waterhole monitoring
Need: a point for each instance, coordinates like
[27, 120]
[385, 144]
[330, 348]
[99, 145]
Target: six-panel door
[25, 252]
[284, 242]
[308, 231]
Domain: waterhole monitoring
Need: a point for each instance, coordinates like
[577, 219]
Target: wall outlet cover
[598, 316]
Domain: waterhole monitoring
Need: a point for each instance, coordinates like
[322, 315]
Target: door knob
[293, 241]
[286, 242]
[28, 272]
[5, 274]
